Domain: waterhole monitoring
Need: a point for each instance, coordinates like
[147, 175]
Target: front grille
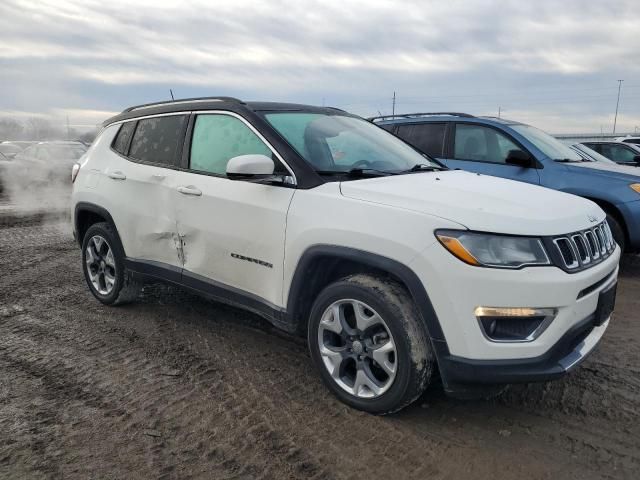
[585, 248]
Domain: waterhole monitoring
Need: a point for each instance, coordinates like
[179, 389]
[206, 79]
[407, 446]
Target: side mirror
[250, 167]
[519, 158]
[636, 159]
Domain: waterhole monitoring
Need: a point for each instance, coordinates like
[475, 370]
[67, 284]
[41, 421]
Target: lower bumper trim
[461, 375]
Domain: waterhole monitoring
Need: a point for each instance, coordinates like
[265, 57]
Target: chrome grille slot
[601, 241]
[579, 250]
[583, 249]
[567, 251]
[593, 245]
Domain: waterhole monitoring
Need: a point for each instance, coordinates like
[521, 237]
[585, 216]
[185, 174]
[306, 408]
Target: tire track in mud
[176, 387]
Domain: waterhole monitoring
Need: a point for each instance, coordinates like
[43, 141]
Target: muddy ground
[177, 387]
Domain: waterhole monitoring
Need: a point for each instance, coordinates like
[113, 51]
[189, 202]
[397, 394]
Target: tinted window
[121, 141]
[426, 137]
[618, 153]
[483, 144]
[218, 138]
[158, 140]
[635, 141]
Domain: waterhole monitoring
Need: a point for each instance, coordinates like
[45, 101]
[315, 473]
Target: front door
[233, 231]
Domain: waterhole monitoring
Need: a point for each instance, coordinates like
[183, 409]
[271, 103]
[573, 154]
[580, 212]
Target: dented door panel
[234, 233]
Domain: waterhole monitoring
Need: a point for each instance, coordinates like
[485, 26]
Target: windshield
[339, 144]
[548, 145]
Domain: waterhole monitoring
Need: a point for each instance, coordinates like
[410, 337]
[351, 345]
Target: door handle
[158, 176]
[117, 175]
[190, 190]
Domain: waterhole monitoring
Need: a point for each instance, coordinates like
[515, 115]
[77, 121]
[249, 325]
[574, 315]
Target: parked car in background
[48, 161]
[508, 149]
[589, 154]
[392, 265]
[619, 152]
[629, 139]
[9, 150]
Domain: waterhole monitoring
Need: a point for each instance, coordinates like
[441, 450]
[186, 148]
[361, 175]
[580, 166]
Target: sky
[553, 64]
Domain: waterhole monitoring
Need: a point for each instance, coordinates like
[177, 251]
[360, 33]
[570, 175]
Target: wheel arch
[612, 210]
[87, 214]
[321, 265]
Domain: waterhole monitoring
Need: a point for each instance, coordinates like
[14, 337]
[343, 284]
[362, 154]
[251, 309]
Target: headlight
[491, 250]
[635, 186]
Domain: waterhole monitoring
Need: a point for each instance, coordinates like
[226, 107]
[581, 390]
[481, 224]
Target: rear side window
[426, 137]
[618, 153]
[121, 141]
[158, 140]
[218, 138]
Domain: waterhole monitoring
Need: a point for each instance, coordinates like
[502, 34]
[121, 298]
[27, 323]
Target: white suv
[393, 266]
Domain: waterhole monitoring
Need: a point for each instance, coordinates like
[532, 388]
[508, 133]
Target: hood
[611, 170]
[480, 202]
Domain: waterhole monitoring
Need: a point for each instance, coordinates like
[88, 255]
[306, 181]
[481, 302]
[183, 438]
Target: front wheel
[368, 341]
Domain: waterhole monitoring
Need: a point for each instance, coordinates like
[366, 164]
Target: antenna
[171, 92]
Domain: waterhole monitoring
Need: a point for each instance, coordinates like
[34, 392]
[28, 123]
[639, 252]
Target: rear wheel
[366, 338]
[103, 266]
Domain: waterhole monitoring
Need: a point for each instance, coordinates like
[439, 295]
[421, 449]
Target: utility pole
[615, 119]
[171, 92]
[393, 105]
[68, 134]
[499, 111]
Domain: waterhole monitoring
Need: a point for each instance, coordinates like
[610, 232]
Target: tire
[617, 231]
[412, 361]
[124, 288]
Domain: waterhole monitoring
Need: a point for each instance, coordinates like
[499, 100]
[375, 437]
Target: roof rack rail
[182, 100]
[418, 115]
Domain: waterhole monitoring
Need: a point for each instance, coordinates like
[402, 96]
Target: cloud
[102, 56]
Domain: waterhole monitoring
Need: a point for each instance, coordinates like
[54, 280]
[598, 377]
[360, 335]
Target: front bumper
[461, 375]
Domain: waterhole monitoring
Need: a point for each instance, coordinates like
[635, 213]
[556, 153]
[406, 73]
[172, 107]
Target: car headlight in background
[491, 250]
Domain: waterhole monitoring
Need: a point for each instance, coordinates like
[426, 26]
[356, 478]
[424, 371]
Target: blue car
[507, 149]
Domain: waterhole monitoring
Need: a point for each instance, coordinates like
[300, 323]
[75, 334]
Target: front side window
[158, 140]
[218, 138]
[481, 144]
[618, 153]
[426, 137]
[339, 143]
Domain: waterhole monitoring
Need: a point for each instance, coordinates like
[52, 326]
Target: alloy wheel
[357, 348]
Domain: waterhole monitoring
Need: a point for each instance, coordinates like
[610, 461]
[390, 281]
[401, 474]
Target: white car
[326, 225]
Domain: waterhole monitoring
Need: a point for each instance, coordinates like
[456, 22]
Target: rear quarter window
[121, 142]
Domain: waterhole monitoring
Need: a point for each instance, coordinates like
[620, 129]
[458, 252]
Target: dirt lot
[177, 387]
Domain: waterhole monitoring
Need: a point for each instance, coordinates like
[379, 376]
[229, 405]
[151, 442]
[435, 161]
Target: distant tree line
[37, 128]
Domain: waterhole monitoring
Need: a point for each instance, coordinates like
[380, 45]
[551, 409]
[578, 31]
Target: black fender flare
[400, 271]
[93, 208]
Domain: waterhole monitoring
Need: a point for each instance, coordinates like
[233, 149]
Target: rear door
[484, 149]
[141, 178]
[233, 231]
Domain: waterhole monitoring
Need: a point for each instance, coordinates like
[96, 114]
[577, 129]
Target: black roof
[213, 103]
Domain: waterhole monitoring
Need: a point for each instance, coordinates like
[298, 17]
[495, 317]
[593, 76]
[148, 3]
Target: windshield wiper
[357, 172]
[423, 167]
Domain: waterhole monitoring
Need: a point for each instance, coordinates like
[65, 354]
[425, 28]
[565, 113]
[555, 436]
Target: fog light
[514, 324]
